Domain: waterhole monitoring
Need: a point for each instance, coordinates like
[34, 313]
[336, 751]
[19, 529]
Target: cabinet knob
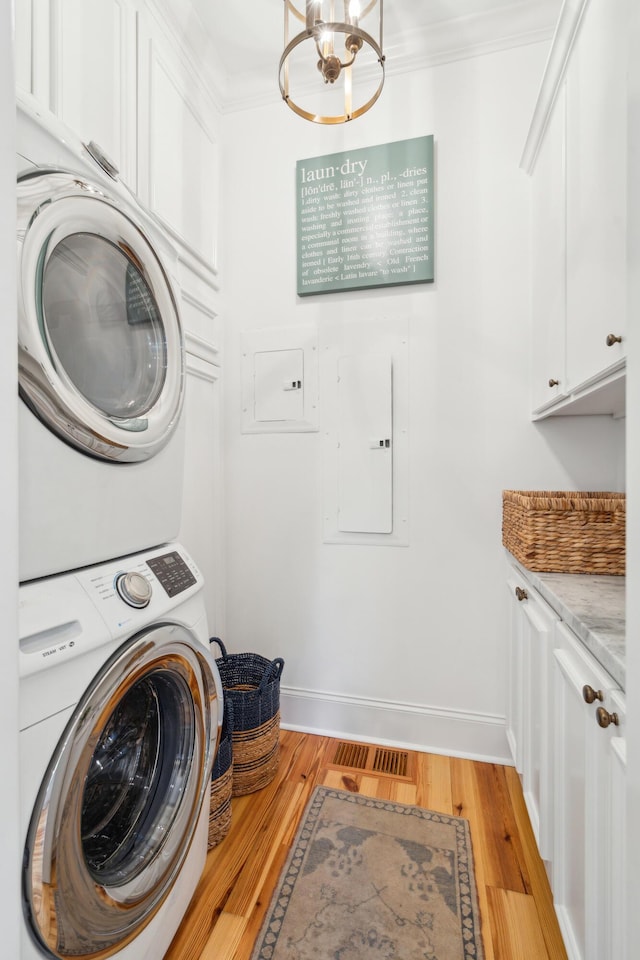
[604, 718]
[611, 339]
[553, 383]
[589, 694]
[521, 594]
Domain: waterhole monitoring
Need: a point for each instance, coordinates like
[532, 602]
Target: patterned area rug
[374, 879]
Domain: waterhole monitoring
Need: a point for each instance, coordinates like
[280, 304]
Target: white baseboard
[455, 733]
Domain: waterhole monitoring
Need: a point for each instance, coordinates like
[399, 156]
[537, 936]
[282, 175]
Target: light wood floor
[518, 920]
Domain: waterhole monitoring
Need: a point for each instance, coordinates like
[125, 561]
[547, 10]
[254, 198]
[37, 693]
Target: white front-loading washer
[101, 359]
[120, 712]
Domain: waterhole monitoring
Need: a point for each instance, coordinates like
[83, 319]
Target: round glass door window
[104, 325]
[100, 343]
[137, 777]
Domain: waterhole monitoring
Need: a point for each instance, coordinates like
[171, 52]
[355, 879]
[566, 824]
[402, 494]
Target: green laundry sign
[365, 217]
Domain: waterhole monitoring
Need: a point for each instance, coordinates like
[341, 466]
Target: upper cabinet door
[179, 155]
[548, 252]
[23, 33]
[33, 48]
[93, 75]
[596, 192]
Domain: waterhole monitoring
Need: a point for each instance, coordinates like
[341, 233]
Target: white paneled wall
[178, 145]
[202, 528]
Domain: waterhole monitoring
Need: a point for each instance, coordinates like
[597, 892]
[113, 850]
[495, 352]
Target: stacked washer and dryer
[120, 699]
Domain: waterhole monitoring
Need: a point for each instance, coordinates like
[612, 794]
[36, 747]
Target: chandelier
[336, 66]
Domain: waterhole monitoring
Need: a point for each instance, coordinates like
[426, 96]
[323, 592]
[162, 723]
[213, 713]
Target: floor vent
[351, 755]
[395, 762]
[360, 756]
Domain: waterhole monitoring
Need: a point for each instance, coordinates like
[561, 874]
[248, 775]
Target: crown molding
[447, 41]
[561, 47]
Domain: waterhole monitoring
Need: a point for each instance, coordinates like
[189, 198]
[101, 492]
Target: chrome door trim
[69, 912]
[52, 205]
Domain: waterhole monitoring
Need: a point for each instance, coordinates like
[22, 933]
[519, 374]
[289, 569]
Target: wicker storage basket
[252, 684]
[222, 781]
[565, 532]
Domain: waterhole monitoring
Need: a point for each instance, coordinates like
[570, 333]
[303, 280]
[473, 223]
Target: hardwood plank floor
[518, 919]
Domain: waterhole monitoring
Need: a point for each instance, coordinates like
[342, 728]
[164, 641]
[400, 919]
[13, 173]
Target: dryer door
[101, 351]
[121, 798]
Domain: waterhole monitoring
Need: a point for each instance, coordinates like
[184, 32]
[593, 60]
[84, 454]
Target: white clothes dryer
[101, 359]
[120, 713]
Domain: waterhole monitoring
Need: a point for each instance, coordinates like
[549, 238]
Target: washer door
[121, 798]
[101, 350]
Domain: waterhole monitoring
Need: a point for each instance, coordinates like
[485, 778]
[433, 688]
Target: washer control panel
[172, 573]
[134, 591]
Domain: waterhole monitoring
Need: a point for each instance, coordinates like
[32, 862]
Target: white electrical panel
[364, 366]
[278, 385]
[365, 451]
[280, 380]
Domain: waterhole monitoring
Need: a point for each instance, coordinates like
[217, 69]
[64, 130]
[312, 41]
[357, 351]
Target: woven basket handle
[273, 672]
[221, 645]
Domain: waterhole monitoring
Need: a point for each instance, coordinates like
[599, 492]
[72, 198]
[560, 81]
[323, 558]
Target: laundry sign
[365, 217]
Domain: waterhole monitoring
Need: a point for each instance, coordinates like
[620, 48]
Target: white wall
[405, 644]
[10, 861]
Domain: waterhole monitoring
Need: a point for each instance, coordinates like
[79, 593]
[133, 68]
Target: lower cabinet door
[530, 705]
[588, 787]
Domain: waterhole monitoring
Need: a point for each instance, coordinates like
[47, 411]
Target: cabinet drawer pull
[611, 339]
[589, 694]
[604, 718]
[521, 594]
[553, 382]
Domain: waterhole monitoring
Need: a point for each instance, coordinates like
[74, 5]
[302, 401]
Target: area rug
[374, 879]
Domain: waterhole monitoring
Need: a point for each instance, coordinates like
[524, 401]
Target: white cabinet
[78, 59]
[565, 726]
[94, 75]
[576, 153]
[120, 73]
[597, 192]
[548, 254]
[530, 703]
[32, 48]
[588, 849]
[616, 867]
[23, 30]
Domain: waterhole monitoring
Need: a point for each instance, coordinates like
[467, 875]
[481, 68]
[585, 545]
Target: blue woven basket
[252, 684]
[222, 781]
[224, 754]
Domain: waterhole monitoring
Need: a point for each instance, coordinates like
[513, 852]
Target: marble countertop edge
[593, 607]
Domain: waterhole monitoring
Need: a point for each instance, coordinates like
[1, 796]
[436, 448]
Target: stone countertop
[594, 608]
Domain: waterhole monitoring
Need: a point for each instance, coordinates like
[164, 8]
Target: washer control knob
[134, 589]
